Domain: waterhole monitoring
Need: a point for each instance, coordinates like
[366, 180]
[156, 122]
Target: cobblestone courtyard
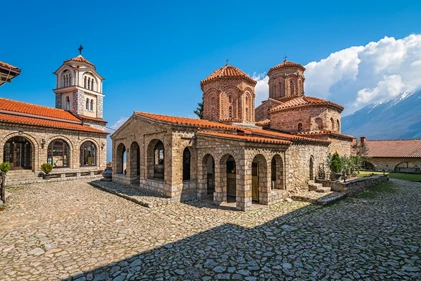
[73, 231]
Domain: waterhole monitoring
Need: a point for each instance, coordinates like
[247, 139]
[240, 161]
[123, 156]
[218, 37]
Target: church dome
[227, 72]
[286, 64]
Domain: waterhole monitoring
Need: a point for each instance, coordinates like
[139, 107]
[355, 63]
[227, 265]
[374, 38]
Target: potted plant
[46, 168]
[4, 167]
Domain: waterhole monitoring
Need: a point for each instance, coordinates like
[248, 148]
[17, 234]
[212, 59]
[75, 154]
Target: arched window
[213, 114]
[332, 124]
[300, 127]
[338, 126]
[88, 154]
[280, 89]
[87, 104]
[92, 105]
[89, 83]
[67, 103]
[186, 164]
[84, 82]
[292, 88]
[230, 111]
[58, 154]
[92, 85]
[319, 123]
[229, 99]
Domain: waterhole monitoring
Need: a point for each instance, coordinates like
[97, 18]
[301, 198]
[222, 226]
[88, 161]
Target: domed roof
[286, 64]
[227, 72]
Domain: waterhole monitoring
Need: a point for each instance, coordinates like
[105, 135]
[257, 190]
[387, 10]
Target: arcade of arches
[184, 163]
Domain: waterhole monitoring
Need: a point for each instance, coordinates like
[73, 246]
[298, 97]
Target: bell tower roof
[227, 72]
[286, 64]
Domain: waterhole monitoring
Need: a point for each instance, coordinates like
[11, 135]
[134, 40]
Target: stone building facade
[228, 156]
[65, 136]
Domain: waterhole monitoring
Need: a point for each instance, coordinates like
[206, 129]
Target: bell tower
[79, 88]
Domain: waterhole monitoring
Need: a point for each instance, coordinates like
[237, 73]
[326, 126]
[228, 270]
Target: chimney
[362, 140]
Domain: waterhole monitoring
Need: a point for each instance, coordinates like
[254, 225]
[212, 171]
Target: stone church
[228, 156]
[71, 136]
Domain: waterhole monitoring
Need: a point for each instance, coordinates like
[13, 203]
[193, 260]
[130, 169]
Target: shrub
[335, 164]
[5, 167]
[46, 168]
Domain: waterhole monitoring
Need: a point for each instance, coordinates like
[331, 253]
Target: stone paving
[73, 231]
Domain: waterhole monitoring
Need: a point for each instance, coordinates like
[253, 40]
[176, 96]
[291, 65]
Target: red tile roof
[291, 137]
[79, 58]
[286, 64]
[245, 138]
[92, 118]
[3, 64]
[325, 132]
[263, 123]
[294, 102]
[191, 122]
[205, 124]
[32, 109]
[46, 123]
[227, 71]
[394, 148]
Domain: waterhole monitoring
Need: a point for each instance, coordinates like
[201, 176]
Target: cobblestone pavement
[53, 231]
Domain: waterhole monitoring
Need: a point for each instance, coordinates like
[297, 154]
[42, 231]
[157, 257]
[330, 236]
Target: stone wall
[289, 119]
[389, 163]
[36, 135]
[356, 186]
[261, 111]
[299, 168]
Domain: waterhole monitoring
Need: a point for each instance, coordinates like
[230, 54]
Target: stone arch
[88, 155]
[228, 174]
[208, 169]
[34, 146]
[332, 124]
[59, 152]
[134, 160]
[311, 168]
[259, 177]
[277, 172]
[90, 81]
[407, 167]
[66, 78]
[187, 159]
[156, 160]
[120, 161]
[366, 165]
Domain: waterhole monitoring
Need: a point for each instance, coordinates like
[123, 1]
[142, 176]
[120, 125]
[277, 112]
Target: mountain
[397, 118]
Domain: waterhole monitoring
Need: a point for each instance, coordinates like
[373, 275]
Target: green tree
[199, 110]
[335, 163]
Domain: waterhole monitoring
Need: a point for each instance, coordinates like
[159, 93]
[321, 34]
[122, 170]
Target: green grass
[407, 177]
[385, 187]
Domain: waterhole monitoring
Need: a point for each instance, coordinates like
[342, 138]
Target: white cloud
[116, 125]
[261, 89]
[361, 75]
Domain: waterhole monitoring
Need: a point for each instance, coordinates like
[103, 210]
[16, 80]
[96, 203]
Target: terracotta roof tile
[3, 64]
[293, 102]
[285, 64]
[246, 138]
[46, 123]
[325, 132]
[187, 121]
[263, 123]
[32, 109]
[227, 71]
[79, 58]
[394, 148]
[291, 137]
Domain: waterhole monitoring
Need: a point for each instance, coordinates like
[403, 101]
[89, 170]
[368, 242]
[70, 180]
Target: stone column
[220, 194]
[244, 182]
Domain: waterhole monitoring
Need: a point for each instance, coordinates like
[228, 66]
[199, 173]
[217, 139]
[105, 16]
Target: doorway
[18, 152]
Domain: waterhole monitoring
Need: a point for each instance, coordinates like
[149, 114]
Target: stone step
[314, 186]
[323, 189]
[330, 198]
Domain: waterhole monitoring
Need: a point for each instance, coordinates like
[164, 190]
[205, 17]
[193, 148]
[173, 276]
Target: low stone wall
[355, 186]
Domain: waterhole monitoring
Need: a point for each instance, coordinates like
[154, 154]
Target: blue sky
[153, 54]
